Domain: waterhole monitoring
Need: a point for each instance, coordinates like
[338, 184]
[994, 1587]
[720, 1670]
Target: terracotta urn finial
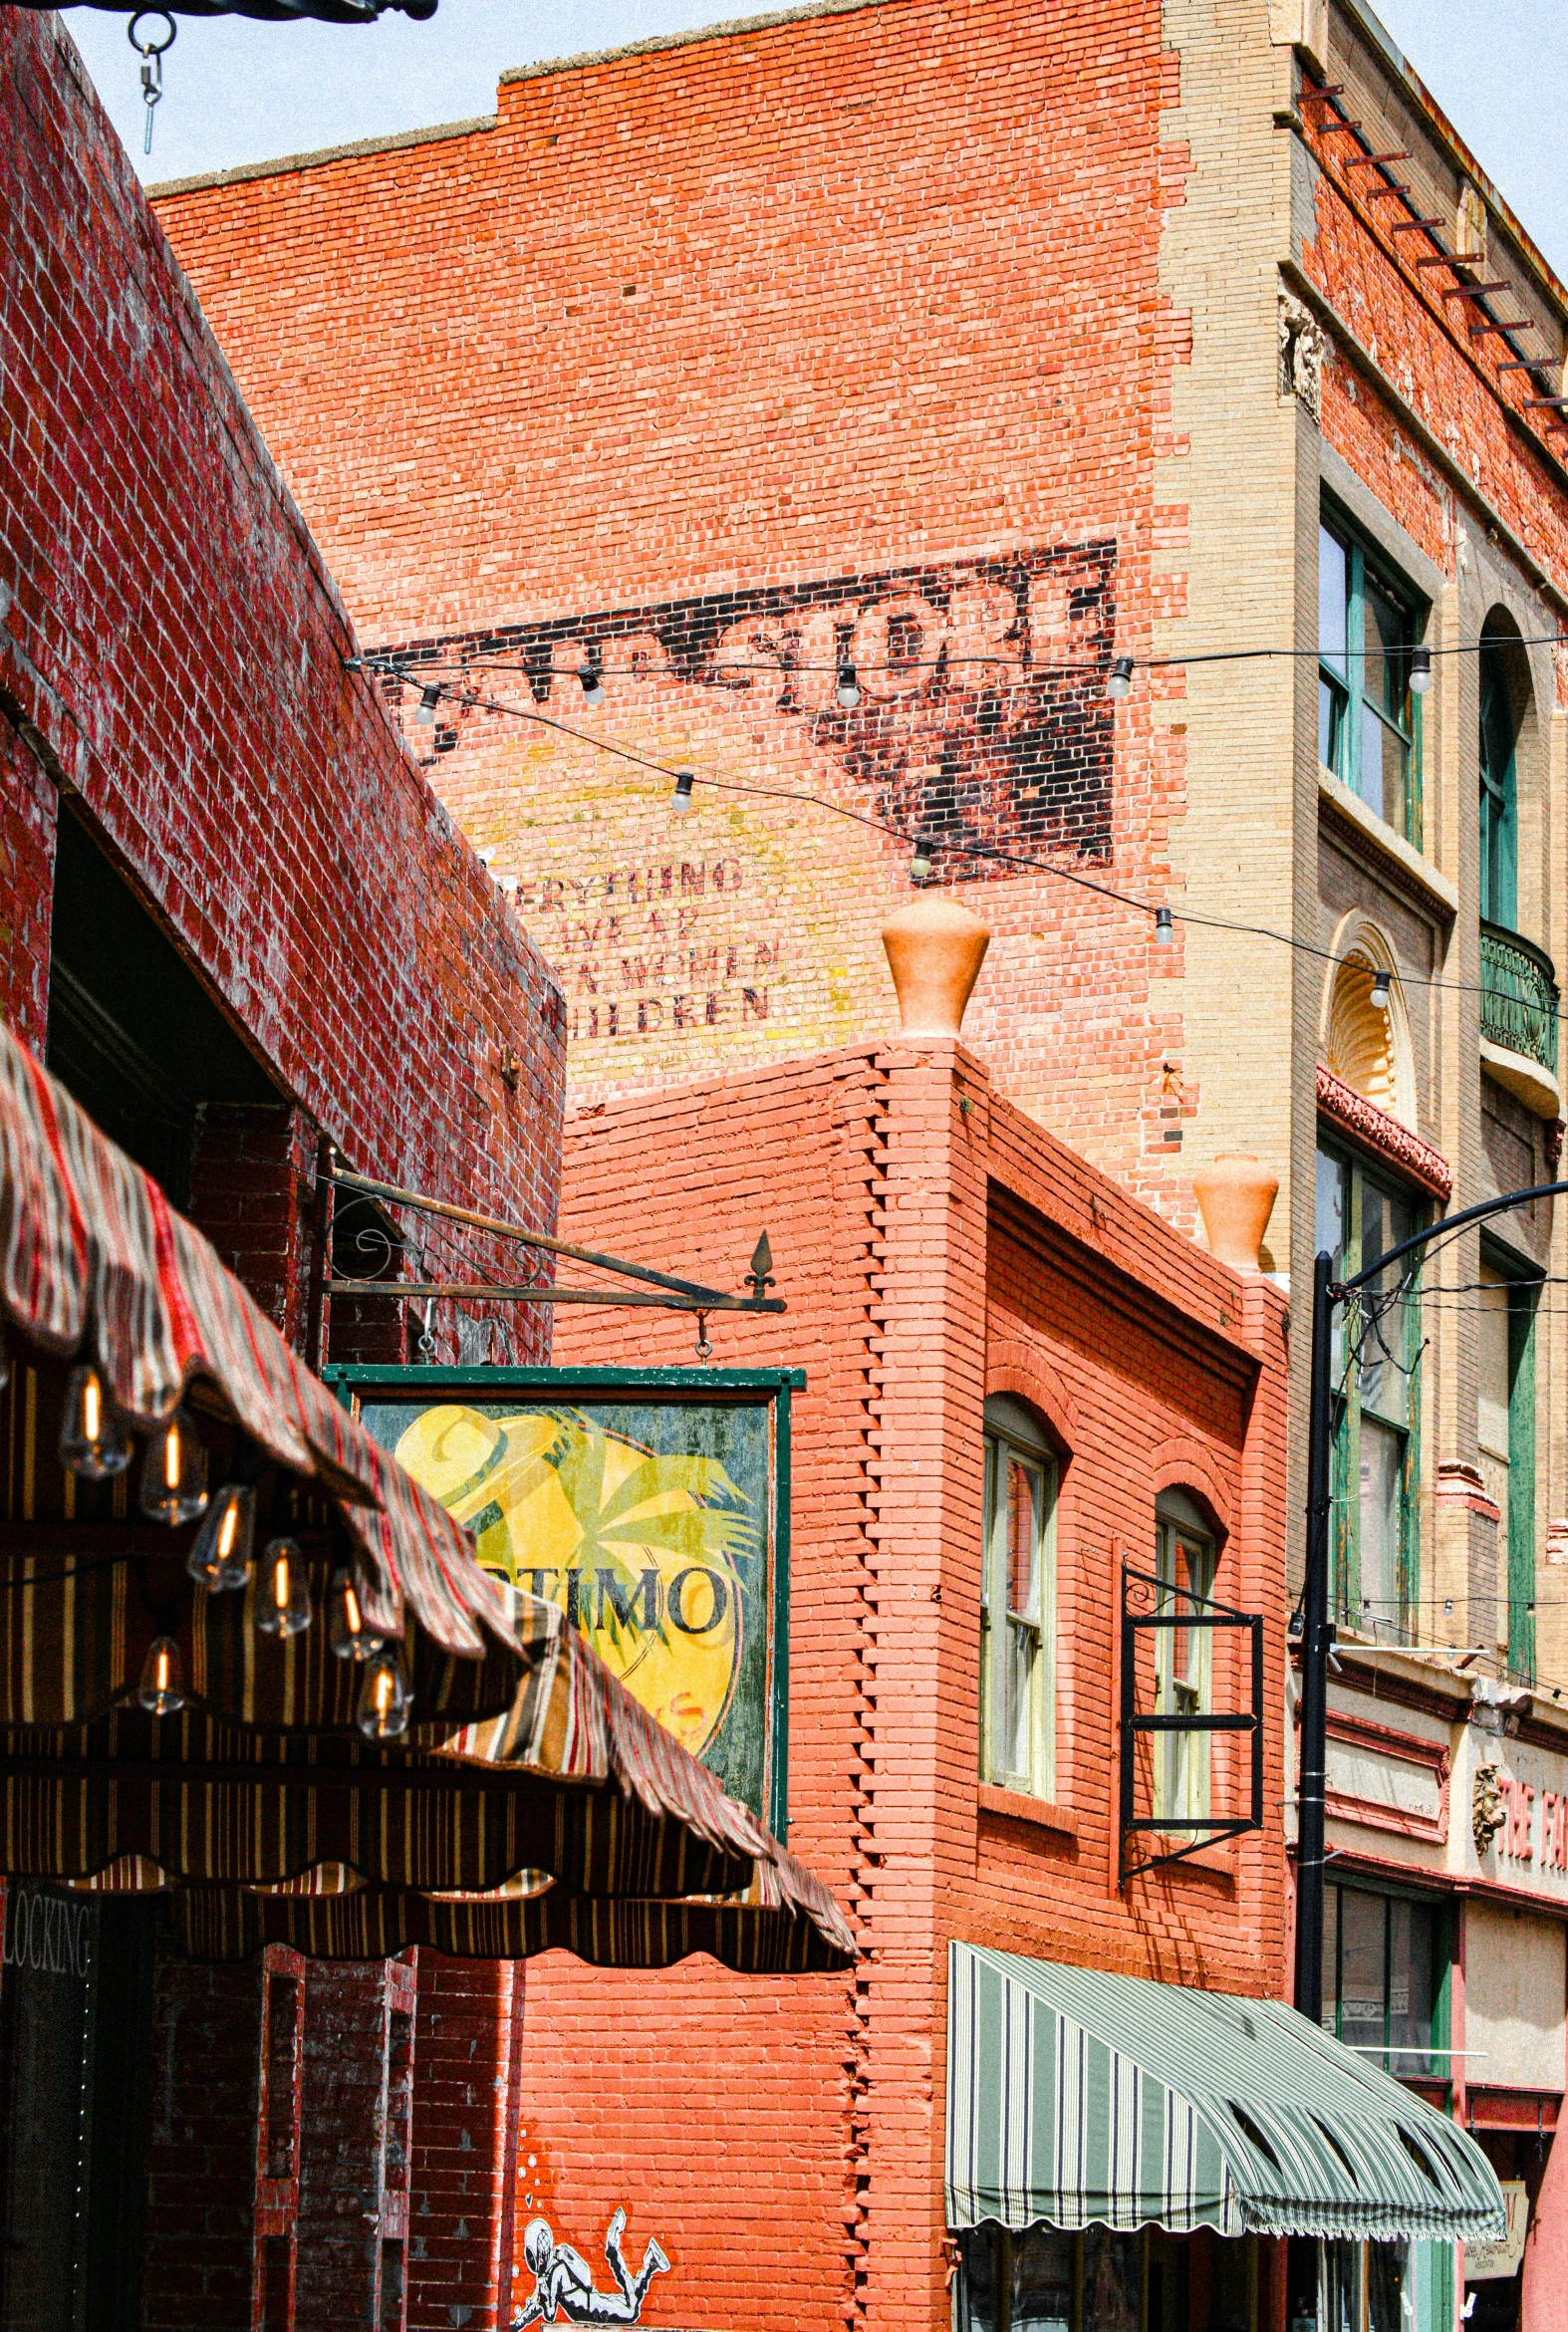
[1235, 1196]
[935, 948]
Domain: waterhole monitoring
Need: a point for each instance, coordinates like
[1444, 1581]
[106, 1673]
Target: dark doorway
[75, 2022]
[133, 1033]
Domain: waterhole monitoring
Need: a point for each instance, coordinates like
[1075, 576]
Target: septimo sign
[652, 1507]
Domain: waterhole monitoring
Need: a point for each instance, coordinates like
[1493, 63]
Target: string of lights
[1113, 670]
[924, 847]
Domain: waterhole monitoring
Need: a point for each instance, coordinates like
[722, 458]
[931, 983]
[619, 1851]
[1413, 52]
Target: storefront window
[1380, 1978]
[1376, 1395]
[1043, 2281]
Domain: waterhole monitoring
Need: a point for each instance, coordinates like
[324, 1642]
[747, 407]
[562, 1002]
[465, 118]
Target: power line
[931, 843]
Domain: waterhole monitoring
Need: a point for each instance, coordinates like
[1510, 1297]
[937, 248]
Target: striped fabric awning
[525, 1756]
[1076, 2098]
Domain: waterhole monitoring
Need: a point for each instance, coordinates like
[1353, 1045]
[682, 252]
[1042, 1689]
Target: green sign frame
[582, 1403]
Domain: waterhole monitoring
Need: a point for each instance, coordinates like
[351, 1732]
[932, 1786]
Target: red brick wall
[174, 642]
[467, 2051]
[839, 309]
[28, 809]
[784, 2143]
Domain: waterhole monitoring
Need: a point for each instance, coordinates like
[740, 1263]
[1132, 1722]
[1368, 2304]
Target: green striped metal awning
[1077, 2098]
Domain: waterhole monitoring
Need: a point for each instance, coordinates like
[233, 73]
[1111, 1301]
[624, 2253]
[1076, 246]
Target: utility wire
[471, 701]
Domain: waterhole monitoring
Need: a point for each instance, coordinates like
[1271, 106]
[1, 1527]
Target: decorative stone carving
[1375, 1129]
[1300, 355]
[1487, 1811]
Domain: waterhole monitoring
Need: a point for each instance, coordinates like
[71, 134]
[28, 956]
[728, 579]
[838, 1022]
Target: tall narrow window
[1358, 1218]
[1505, 1435]
[1367, 622]
[1500, 798]
[1184, 1657]
[1018, 1604]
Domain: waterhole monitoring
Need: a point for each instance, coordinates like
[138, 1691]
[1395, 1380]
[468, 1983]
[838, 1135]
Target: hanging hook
[704, 1349]
[427, 1338]
[152, 54]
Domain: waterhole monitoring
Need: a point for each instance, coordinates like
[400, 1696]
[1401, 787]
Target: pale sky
[238, 91]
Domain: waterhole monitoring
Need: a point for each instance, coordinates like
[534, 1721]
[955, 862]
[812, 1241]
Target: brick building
[967, 349]
[236, 919]
[964, 1292]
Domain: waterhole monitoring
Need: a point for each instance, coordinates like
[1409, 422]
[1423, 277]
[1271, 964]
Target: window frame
[1499, 804]
[1345, 691]
[1402, 1333]
[1517, 1569]
[1012, 1435]
[1184, 1765]
[1437, 2065]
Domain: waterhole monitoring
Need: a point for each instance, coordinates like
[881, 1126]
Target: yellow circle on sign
[622, 1538]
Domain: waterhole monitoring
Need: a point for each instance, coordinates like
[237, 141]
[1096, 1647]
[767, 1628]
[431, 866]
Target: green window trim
[1376, 1588]
[1425, 1915]
[1524, 1286]
[1368, 719]
[1499, 796]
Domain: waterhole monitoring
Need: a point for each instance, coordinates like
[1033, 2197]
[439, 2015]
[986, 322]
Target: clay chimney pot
[935, 948]
[1235, 1196]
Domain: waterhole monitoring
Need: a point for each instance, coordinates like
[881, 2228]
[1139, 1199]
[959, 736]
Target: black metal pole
[1317, 1636]
[1316, 1639]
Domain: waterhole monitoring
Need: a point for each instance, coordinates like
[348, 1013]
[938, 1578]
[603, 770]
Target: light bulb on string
[346, 1630]
[848, 688]
[592, 687]
[1381, 981]
[161, 1689]
[283, 1593]
[93, 1442]
[382, 1710]
[681, 800]
[1121, 681]
[424, 711]
[1421, 670]
[920, 864]
[1165, 928]
[174, 1473]
[220, 1555]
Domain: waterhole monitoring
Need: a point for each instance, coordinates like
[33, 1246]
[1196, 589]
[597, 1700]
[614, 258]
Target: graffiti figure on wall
[564, 2287]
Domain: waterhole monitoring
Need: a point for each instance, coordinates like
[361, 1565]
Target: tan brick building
[962, 348]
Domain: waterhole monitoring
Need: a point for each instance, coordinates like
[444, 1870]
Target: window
[1044, 2280]
[1184, 1657]
[1500, 798]
[1367, 622]
[1382, 1988]
[1373, 1544]
[1018, 1604]
[1505, 1433]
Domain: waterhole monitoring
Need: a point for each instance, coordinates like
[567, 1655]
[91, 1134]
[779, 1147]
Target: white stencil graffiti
[564, 2287]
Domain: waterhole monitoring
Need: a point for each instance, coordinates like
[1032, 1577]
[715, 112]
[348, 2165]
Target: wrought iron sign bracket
[1151, 1603]
[337, 1189]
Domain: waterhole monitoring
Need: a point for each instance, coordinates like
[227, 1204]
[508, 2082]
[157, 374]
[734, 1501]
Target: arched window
[1185, 1562]
[1499, 796]
[1365, 1028]
[1018, 1603]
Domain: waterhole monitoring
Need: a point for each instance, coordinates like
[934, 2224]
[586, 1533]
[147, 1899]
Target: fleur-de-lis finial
[760, 1277]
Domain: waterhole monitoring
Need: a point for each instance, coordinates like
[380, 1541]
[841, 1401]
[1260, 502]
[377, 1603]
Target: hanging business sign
[652, 1506]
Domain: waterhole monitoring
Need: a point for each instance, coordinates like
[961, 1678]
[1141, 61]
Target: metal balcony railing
[1518, 996]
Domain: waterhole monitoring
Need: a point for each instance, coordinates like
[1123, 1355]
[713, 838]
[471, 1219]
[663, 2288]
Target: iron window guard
[1136, 1615]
